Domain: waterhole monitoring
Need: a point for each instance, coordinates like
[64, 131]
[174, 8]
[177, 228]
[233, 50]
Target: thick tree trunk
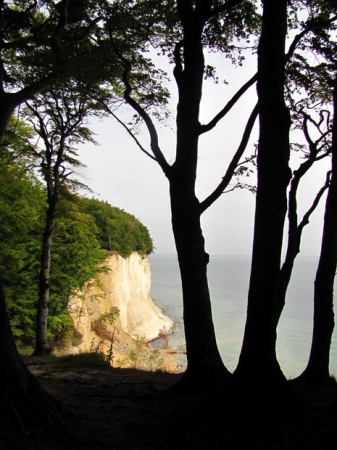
[258, 350]
[8, 104]
[258, 373]
[205, 366]
[26, 410]
[317, 370]
[203, 358]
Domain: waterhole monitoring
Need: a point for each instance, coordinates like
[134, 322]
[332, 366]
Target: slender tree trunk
[41, 344]
[295, 230]
[317, 370]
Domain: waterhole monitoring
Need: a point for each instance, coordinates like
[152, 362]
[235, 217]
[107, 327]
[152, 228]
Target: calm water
[228, 281]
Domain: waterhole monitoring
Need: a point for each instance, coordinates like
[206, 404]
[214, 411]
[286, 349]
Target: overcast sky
[118, 172]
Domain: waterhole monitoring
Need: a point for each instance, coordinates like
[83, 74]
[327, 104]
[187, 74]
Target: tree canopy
[295, 79]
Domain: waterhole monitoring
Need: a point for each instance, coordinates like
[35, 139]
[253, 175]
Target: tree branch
[234, 163]
[311, 25]
[158, 155]
[128, 130]
[229, 106]
[314, 205]
[56, 39]
[178, 68]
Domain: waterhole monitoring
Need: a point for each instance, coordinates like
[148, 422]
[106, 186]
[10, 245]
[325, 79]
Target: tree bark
[8, 104]
[258, 372]
[51, 174]
[204, 364]
[258, 350]
[317, 370]
[26, 410]
[41, 344]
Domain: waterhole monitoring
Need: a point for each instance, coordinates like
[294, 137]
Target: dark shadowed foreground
[107, 408]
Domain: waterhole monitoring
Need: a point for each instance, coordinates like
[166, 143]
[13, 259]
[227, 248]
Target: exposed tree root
[201, 380]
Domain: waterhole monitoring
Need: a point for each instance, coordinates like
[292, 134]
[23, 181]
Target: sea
[228, 283]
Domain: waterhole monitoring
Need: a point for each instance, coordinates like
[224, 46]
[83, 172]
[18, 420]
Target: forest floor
[125, 409]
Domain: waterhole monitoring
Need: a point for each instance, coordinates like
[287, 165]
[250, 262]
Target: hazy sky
[118, 172]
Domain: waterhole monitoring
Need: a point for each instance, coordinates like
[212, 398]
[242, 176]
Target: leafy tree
[57, 117]
[194, 25]
[77, 254]
[21, 202]
[319, 82]
[268, 282]
[41, 43]
[310, 73]
[77, 257]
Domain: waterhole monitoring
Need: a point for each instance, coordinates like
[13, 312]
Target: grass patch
[82, 360]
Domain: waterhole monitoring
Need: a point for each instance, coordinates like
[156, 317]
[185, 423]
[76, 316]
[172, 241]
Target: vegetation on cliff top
[118, 230]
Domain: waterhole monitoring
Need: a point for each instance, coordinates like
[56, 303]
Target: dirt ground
[127, 409]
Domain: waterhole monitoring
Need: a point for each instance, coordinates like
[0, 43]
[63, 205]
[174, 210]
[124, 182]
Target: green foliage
[82, 360]
[85, 230]
[22, 207]
[110, 317]
[118, 231]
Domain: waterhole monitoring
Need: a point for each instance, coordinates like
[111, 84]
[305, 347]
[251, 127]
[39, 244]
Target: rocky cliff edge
[115, 315]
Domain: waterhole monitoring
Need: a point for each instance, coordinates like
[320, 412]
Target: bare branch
[158, 155]
[314, 205]
[229, 106]
[128, 131]
[234, 163]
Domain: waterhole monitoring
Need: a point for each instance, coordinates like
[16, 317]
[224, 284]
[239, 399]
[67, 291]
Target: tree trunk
[294, 229]
[258, 372]
[205, 367]
[8, 104]
[258, 351]
[41, 344]
[26, 410]
[204, 364]
[317, 370]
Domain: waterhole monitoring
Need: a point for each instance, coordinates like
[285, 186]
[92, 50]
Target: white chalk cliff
[126, 286]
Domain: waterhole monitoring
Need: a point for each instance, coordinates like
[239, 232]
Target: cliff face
[126, 286]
